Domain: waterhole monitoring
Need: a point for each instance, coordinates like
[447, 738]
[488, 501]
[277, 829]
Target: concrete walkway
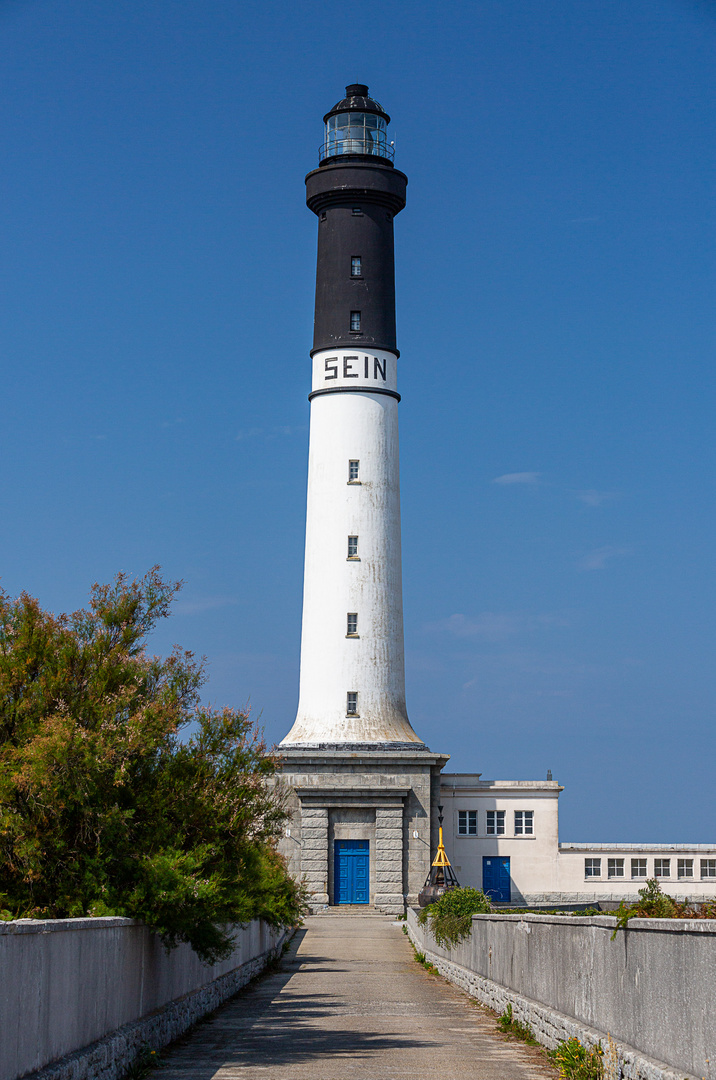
[350, 1002]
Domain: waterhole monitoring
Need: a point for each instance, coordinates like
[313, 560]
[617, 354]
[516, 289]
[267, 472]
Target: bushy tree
[107, 804]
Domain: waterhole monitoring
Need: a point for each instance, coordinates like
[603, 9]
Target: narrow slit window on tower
[352, 547]
[352, 703]
[356, 266]
[352, 624]
[353, 468]
[355, 320]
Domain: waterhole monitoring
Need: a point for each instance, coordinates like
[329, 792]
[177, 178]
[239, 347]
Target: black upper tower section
[355, 192]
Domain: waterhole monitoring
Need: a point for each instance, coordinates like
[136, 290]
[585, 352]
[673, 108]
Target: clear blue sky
[555, 275]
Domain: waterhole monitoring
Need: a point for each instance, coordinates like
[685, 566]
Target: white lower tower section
[352, 633]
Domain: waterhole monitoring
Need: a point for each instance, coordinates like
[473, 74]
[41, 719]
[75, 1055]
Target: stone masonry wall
[647, 996]
[389, 841]
[314, 852]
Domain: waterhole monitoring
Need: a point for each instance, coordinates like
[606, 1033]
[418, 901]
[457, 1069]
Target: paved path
[350, 1003]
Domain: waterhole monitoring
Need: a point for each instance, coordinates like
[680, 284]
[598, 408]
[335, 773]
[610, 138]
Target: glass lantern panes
[356, 133]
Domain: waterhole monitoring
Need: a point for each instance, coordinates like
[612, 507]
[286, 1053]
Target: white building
[503, 836]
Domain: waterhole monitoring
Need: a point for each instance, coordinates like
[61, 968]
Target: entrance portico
[386, 799]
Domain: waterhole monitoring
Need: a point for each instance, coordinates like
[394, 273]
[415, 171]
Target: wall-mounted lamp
[416, 834]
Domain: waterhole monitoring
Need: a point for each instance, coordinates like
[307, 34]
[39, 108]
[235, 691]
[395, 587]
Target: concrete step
[350, 909]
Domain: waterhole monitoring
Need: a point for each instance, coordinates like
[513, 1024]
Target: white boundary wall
[652, 989]
[79, 998]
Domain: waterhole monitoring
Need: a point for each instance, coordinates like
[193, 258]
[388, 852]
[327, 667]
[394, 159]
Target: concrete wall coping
[637, 847]
[54, 926]
[673, 926]
[472, 780]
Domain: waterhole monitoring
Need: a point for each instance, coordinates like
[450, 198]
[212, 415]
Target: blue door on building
[496, 878]
[351, 874]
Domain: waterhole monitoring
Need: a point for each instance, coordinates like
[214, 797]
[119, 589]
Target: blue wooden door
[351, 873]
[496, 878]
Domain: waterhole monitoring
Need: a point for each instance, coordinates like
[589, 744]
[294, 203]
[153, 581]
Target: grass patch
[424, 962]
[145, 1061]
[510, 1026]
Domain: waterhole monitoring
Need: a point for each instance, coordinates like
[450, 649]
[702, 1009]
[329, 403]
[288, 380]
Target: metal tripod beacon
[441, 876]
[352, 681]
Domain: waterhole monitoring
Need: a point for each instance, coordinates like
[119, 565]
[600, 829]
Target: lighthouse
[352, 680]
[362, 784]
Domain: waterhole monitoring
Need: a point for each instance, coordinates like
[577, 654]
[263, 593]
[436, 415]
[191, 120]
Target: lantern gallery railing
[333, 147]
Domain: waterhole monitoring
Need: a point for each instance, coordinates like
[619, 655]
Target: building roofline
[472, 781]
[637, 847]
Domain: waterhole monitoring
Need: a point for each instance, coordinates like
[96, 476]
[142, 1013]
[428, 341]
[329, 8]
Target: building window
[524, 822]
[356, 270]
[357, 211]
[352, 547]
[662, 867]
[355, 320]
[708, 868]
[352, 703]
[352, 624]
[323, 215]
[592, 868]
[685, 867]
[638, 868]
[615, 868]
[495, 822]
[353, 467]
[467, 822]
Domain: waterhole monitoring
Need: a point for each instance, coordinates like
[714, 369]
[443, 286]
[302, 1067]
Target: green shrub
[576, 1062]
[450, 918]
[652, 904]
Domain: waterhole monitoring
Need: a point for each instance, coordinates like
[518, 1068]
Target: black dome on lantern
[358, 100]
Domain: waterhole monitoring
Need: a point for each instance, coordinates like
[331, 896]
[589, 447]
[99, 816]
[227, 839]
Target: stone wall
[80, 998]
[388, 798]
[648, 995]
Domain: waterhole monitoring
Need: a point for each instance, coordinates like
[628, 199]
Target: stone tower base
[387, 797]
